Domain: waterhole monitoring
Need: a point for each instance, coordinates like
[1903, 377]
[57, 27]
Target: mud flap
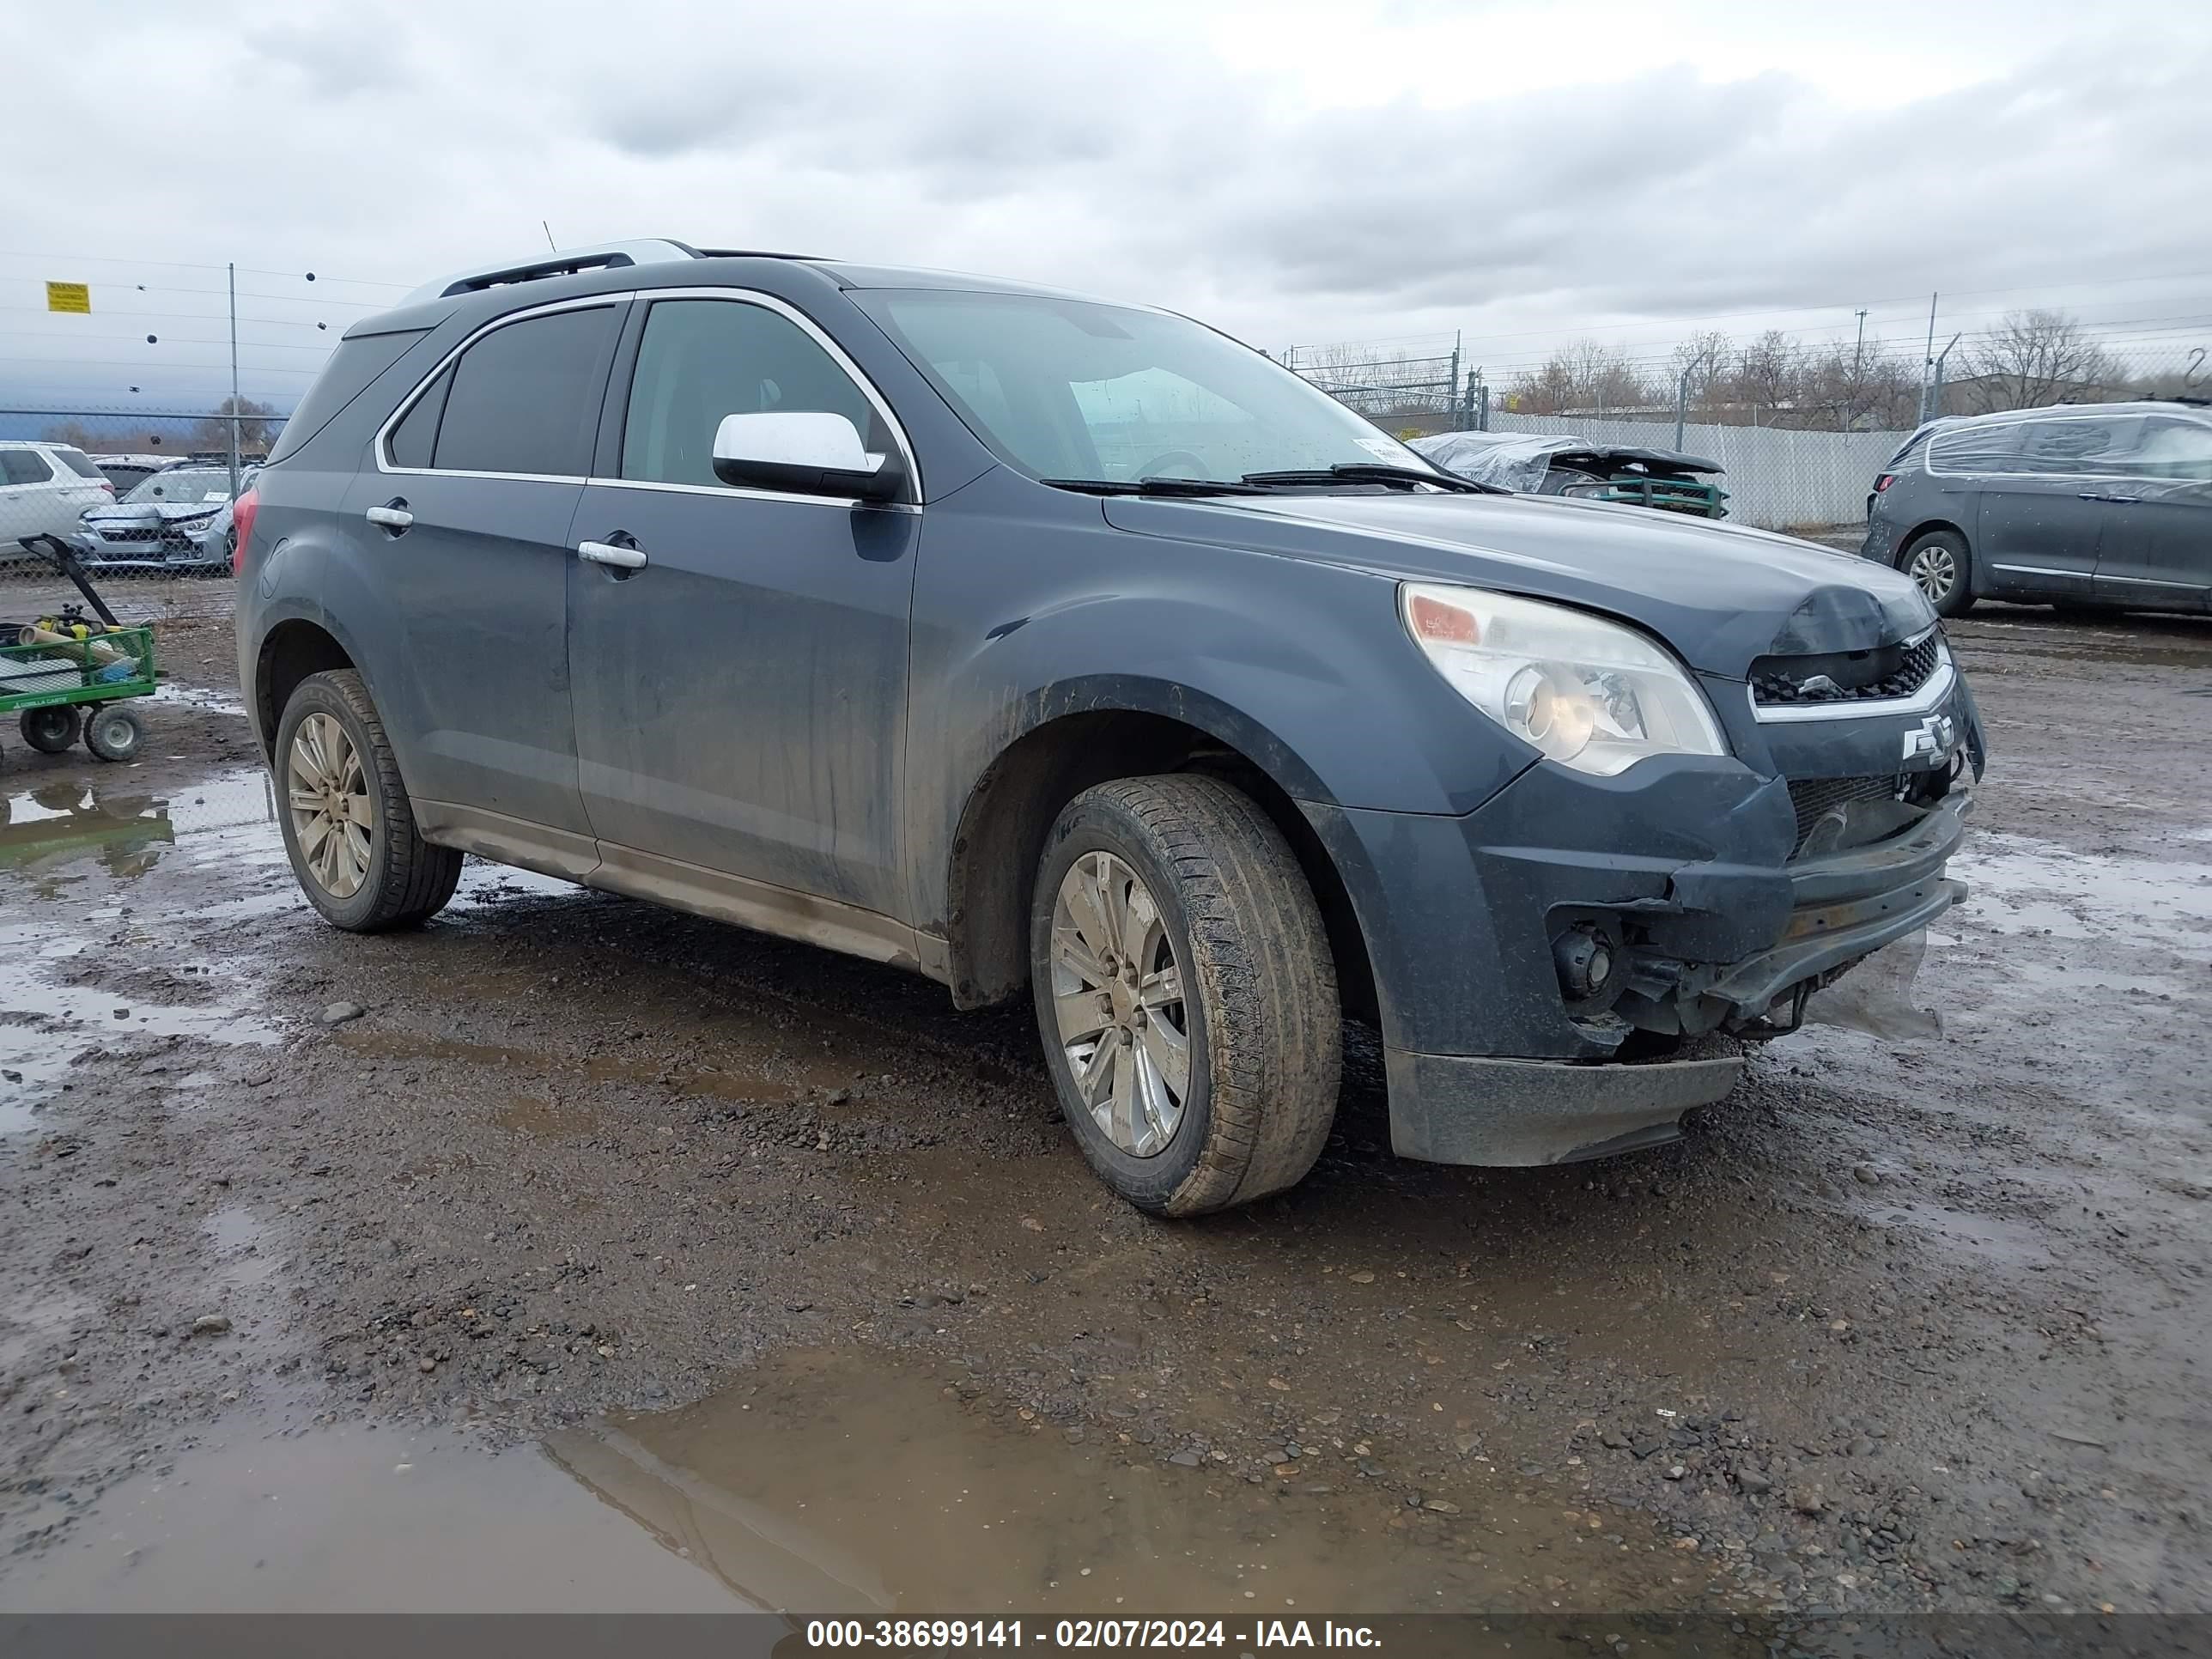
[1877, 997]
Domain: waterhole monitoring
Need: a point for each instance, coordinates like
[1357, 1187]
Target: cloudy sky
[1298, 173]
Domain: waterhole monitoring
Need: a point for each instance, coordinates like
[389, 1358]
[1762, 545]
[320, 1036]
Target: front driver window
[701, 359]
[2174, 449]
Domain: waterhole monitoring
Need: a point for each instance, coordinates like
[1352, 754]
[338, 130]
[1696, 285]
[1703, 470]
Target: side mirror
[803, 453]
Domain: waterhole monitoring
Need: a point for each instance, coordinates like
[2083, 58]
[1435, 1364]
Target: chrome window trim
[837, 354]
[380, 447]
[1938, 687]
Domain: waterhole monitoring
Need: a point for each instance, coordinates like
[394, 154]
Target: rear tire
[115, 734]
[1203, 896]
[49, 730]
[1942, 569]
[335, 769]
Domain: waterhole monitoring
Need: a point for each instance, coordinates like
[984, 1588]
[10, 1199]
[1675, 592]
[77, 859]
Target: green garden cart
[71, 674]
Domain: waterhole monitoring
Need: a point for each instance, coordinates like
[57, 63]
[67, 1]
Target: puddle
[45, 1026]
[823, 1484]
[52, 834]
[194, 696]
[243, 1259]
[533, 1115]
[330, 1522]
[2023, 885]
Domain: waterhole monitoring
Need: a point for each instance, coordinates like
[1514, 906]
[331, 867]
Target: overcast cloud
[1296, 173]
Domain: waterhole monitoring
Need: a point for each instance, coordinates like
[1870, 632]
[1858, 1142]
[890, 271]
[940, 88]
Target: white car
[45, 489]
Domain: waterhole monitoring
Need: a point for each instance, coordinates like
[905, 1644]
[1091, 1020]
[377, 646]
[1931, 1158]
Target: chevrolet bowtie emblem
[1931, 740]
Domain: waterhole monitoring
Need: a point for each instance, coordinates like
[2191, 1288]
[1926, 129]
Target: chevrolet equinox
[1035, 643]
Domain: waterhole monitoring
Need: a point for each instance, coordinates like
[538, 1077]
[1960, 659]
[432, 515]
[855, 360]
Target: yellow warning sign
[69, 297]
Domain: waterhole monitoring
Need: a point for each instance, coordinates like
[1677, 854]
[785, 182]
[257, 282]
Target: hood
[154, 512]
[1721, 595]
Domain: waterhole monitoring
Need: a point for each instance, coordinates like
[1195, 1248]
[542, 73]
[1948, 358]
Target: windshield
[195, 484]
[1066, 389]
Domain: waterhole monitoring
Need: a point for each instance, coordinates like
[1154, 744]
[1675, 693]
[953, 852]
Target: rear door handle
[2099, 496]
[611, 553]
[393, 516]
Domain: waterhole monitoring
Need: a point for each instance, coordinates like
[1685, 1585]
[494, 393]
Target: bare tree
[1769, 376]
[255, 427]
[2037, 357]
[1707, 359]
[1583, 379]
[77, 436]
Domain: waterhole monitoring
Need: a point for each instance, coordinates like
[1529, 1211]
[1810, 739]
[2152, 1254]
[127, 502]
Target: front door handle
[2099, 496]
[393, 516]
[613, 553]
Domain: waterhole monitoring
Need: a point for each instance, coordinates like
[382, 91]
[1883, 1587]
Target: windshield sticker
[1384, 449]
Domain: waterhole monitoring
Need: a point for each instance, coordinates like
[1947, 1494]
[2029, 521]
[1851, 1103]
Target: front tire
[349, 827]
[1942, 569]
[115, 734]
[1185, 994]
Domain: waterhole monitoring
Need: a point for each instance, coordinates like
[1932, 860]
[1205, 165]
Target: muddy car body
[910, 630]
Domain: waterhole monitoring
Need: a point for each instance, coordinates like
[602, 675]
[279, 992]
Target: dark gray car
[2097, 506]
[1040, 645]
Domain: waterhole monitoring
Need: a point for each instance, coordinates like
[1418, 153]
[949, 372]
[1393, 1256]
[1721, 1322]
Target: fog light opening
[1585, 958]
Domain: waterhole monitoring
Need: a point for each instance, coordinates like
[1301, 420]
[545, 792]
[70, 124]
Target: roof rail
[565, 262]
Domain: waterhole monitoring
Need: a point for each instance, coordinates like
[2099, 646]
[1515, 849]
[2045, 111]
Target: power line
[182, 264]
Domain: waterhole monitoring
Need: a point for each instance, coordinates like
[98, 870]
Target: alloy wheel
[332, 817]
[1118, 997]
[1934, 571]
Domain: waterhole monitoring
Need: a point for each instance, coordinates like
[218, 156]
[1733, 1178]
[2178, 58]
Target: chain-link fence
[141, 502]
[1802, 426]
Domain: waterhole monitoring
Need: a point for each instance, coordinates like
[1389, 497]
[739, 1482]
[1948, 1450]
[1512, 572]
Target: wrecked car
[1067, 650]
[1533, 465]
[176, 520]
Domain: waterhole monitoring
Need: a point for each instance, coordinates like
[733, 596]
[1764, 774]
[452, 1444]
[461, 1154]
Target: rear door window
[2085, 444]
[525, 398]
[22, 466]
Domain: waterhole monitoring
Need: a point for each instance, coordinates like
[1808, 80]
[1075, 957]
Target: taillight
[241, 527]
[107, 486]
[1883, 482]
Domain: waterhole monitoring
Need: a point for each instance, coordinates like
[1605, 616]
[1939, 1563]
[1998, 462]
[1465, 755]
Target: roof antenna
[548, 229]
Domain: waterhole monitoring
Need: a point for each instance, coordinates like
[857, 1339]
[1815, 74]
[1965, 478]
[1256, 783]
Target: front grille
[1813, 797]
[1849, 676]
[130, 532]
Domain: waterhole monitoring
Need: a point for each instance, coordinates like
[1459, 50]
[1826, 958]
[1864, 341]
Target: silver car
[178, 520]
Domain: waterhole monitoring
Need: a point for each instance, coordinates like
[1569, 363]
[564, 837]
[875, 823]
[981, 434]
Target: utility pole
[1927, 366]
[232, 270]
[1682, 403]
[1858, 351]
[1936, 381]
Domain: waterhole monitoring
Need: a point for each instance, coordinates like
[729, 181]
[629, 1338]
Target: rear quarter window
[78, 462]
[350, 371]
[1963, 450]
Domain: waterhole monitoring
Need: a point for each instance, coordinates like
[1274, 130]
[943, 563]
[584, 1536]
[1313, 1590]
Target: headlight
[1587, 693]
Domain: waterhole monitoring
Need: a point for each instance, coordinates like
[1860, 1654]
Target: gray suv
[1043, 646]
[2087, 506]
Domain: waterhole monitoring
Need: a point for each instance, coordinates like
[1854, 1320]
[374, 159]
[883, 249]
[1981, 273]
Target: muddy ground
[613, 1258]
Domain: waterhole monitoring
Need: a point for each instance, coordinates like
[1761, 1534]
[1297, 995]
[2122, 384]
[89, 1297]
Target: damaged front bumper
[1712, 934]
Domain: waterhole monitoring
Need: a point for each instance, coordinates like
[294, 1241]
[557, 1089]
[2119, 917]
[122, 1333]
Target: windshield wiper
[1158, 486]
[1372, 472]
